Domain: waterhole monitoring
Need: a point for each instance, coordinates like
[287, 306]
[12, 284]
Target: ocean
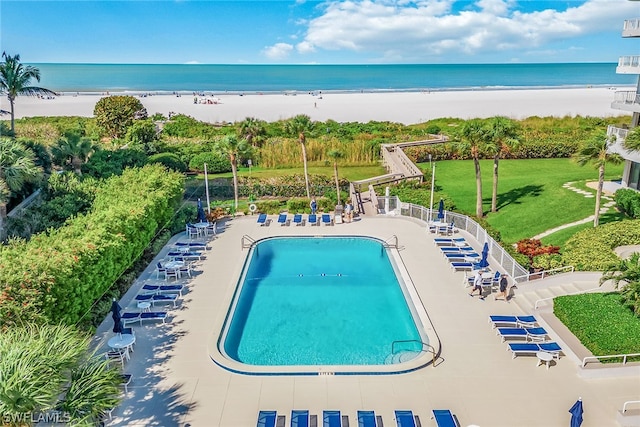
[329, 78]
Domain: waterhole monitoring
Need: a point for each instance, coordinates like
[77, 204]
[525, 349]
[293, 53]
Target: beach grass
[531, 198]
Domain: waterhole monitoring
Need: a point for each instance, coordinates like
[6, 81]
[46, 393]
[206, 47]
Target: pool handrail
[247, 242]
[429, 349]
[391, 242]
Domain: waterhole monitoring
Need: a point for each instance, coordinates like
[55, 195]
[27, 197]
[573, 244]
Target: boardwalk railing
[462, 222]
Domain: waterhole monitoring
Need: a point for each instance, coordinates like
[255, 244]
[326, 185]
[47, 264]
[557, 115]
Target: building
[628, 101]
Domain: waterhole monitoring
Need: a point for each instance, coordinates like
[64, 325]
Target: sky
[316, 32]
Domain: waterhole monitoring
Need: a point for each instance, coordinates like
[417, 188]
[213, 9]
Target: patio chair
[171, 272]
[116, 356]
[270, 419]
[368, 419]
[326, 219]
[312, 219]
[514, 321]
[212, 229]
[531, 348]
[185, 269]
[444, 418]
[283, 220]
[535, 334]
[301, 418]
[298, 220]
[263, 220]
[405, 419]
[331, 419]
[192, 232]
[126, 380]
[160, 270]
[451, 228]
[496, 278]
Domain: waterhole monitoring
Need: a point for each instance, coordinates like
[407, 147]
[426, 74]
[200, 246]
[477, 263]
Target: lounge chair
[326, 219]
[514, 321]
[535, 334]
[367, 419]
[405, 419]
[444, 418]
[190, 245]
[313, 219]
[331, 419]
[164, 289]
[146, 315]
[270, 419]
[300, 418]
[298, 220]
[444, 241]
[158, 298]
[282, 219]
[126, 380]
[448, 249]
[461, 266]
[460, 255]
[518, 349]
[263, 220]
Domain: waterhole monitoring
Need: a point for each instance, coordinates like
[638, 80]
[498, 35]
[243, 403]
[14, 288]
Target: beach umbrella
[484, 262]
[201, 216]
[116, 316]
[576, 413]
[441, 209]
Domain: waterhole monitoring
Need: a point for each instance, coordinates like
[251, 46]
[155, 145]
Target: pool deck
[175, 382]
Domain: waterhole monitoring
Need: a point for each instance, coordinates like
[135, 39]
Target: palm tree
[632, 141]
[336, 155]
[501, 137]
[234, 147]
[252, 130]
[74, 151]
[17, 167]
[473, 135]
[299, 126]
[595, 151]
[15, 79]
[626, 276]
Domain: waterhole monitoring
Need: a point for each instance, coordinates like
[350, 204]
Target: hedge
[592, 249]
[57, 276]
[628, 201]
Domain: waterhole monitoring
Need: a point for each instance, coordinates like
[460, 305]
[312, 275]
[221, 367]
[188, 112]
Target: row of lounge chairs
[403, 418]
[284, 220]
[154, 294]
[458, 252]
[507, 327]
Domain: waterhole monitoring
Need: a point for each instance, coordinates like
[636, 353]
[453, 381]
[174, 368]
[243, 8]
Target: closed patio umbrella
[576, 413]
[116, 316]
[201, 216]
[441, 209]
[484, 262]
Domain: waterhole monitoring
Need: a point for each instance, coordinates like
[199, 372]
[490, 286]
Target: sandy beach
[400, 107]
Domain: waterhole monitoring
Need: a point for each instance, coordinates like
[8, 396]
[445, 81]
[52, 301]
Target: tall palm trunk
[304, 162]
[11, 101]
[3, 217]
[599, 194]
[494, 194]
[476, 163]
[234, 171]
[335, 174]
[76, 163]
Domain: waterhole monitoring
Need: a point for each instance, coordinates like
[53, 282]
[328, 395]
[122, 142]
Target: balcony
[618, 147]
[627, 100]
[628, 65]
[631, 28]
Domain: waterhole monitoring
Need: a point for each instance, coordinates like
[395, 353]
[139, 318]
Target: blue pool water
[318, 301]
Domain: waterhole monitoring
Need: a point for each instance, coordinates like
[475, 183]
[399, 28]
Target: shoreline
[406, 107]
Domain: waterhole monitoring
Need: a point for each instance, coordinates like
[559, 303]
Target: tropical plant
[336, 155]
[472, 136]
[17, 167]
[252, 130]
[143, 134]
[625, 276]
[234, 147]
[300, 126]
[501, 137]
[632, 140]
[532, 248]
[114, 114]
[49, 367]
[72, 151]
[595, 151]
[15, 79]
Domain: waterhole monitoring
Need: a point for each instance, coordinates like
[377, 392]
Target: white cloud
[278, 51]
[408, 30]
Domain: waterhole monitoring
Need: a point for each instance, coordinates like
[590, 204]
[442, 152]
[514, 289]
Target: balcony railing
[619, 133]
[631, 28]
[626, 97]
[628, 65]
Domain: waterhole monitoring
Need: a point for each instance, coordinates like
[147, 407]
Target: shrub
[628, 201]
[169, 160]
[115, 114]
[105, 163]
[216, 162]
[269, 206]
[533, 248]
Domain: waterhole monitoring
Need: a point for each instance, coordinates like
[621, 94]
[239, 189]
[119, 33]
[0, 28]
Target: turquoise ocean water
[278, 78]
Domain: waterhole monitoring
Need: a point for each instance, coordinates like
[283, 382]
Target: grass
[560, 237]
[352, 173]
[530, 194]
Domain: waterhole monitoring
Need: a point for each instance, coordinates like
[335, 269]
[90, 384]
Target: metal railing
[391, 242]
[461, 222]
[247, 242]
[631, 24]
[619, 133]
[429, 349]
[544, 273]
[628, 402]
[586, 291]
[624, 357]
[626, 97]
[629, 61]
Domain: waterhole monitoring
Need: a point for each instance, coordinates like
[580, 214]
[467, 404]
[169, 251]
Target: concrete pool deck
[175, 382]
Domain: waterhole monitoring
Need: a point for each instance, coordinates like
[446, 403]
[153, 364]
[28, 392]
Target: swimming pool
[321, 302]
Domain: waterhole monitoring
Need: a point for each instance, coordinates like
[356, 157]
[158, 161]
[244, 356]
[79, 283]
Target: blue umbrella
[576, 413]
[201, 216]
[484, 262]
[115, 315]
[441, 209]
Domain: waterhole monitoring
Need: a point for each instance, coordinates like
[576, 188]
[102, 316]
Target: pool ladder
[391, 242]
[427, 348]
[247, 242]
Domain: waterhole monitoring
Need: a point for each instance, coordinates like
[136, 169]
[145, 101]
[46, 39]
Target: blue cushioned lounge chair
[147, 315]
[405, 419]
[297, 219]
[367, 419]
[331, 419]
[282, 219]
[535, 334]
[164, 289]
[461, 266]
[518, 349]
[313, 219]
[270, 419]
[514, 321]
[326, 219]
[262, 220]
[299, 418]
[444, 418]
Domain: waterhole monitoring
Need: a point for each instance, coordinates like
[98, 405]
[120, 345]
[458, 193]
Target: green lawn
[560, 237]
[530, 194]
[352, 173]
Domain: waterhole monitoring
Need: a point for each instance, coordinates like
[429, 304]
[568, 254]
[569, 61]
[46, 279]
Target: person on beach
[504, 284]
[313, 205]
[477, 285]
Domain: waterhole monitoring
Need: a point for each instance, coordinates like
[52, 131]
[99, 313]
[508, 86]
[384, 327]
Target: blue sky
[316, 32]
